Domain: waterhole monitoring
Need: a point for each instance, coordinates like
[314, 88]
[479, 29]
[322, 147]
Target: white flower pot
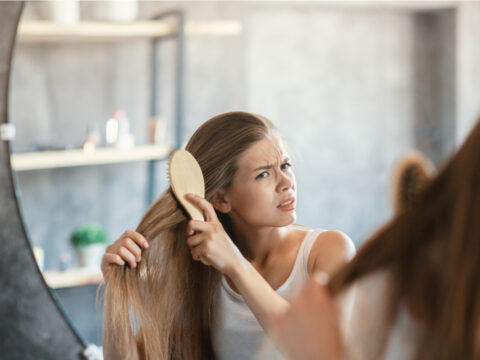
[91, 255]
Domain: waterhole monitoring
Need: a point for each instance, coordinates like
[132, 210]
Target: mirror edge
[34, 324]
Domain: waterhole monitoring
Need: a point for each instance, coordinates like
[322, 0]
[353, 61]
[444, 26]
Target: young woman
[417, 281]
[167, 304]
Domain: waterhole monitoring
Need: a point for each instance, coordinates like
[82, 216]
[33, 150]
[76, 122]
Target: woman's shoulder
[331, 249]
[335, 241]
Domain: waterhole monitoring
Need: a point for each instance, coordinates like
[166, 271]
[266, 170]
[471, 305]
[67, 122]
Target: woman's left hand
[209, 242]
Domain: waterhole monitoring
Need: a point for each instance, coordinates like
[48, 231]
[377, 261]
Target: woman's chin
[289, 218]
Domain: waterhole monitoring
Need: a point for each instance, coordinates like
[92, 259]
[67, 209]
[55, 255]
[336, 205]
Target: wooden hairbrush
[186, 178]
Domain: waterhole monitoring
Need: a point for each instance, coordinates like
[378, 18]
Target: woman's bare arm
[210, 244]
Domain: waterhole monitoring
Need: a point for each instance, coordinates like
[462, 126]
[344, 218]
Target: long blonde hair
[169, 296]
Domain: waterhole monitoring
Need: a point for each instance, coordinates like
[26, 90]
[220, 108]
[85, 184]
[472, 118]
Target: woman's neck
[257, 243]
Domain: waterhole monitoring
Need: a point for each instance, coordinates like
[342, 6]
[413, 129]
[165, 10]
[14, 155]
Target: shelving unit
[168, 25]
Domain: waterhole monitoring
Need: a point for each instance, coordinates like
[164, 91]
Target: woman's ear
[220, 202]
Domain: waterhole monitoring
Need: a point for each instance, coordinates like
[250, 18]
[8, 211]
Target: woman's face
[263, 191]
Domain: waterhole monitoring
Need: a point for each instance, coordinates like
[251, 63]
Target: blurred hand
[208, 241]
[309, 329]
[126, 249]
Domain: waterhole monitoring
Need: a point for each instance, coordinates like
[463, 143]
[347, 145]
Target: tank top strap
[299, 272]
[307, 245]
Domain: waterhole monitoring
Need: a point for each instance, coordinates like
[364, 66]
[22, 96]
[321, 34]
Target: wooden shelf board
[45, 31]
[78, 157]
[73, 277]
[50, 32]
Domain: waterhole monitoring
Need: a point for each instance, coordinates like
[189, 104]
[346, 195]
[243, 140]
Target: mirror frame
[34, 326]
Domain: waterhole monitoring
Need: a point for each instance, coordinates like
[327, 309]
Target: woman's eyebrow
[270, 166]
[264, 167]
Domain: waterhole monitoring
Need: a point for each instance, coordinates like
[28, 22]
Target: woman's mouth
[287, 205]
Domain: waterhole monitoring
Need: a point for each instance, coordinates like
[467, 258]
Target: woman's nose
[285, 182]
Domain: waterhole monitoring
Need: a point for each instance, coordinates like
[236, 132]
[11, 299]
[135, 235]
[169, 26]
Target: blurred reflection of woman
[417, 281]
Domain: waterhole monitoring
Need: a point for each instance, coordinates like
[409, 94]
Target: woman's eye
[262, 175]
[285, 166]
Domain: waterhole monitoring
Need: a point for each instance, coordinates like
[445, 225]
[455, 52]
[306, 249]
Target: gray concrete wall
[434, 83]
[341, 92]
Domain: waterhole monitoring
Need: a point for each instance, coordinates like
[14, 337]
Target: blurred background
[351, 86]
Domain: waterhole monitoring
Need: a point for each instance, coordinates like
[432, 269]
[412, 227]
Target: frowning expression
[263, 191]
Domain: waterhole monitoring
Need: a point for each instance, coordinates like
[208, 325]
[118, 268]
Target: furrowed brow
[265, 167]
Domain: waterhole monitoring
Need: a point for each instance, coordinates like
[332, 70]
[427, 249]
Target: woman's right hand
[126, 249]
[209, 242]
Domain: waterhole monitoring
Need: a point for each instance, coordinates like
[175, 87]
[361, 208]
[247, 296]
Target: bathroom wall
[350, 87]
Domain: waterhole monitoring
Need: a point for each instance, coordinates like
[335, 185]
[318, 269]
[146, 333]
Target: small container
[65, 260]
[65, 11]
[156, 130]
[111, 130]
[117, 131]
[122, 11]
[125, 138]
[92, 139]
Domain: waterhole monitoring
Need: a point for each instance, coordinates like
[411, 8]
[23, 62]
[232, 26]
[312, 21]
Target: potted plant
[89, 241]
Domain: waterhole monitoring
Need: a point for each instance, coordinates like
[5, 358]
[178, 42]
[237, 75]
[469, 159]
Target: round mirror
[91, 131]
[96, 99]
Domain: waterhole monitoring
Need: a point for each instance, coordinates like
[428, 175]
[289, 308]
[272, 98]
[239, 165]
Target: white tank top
[368, 334]
[237, 335]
